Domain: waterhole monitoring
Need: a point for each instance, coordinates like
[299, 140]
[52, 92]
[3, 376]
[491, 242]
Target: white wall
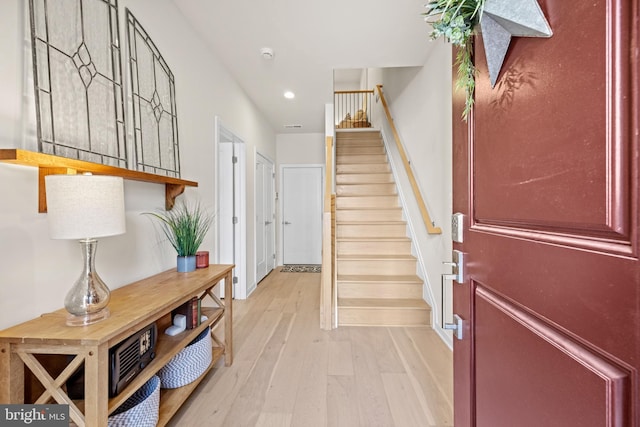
[420, 103]
[35, 271]
[300, 148]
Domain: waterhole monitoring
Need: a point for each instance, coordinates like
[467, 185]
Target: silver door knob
[287, 223]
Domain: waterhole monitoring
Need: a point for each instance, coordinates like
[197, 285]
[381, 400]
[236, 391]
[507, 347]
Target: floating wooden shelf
[48, 164]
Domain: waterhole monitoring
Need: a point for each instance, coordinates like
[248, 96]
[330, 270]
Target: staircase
[377, 282]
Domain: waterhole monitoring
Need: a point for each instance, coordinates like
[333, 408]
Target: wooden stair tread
[369, 208]
[366, 195]
[368, 162]
[344, 278]
[373, 239]
[383, 303]
[351, 174]
[371, 222]
[367, 257]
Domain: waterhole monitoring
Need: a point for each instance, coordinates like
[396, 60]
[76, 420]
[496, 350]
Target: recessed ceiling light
[289, 95]
[267, 53]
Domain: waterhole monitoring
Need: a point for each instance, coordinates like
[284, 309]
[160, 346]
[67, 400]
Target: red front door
[546, 171]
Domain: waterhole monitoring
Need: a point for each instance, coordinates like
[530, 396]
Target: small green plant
[455, 20]
[185, 226]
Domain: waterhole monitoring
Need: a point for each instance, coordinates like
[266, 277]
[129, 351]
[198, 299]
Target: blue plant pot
[186, 264]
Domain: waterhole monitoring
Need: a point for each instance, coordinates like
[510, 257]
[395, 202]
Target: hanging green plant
[455, 20]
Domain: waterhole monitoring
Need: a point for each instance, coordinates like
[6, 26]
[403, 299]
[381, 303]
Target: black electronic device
[126, 360]
[129, 357]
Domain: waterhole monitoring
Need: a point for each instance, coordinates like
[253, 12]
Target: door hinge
[235, 280]
[235, 220]
[234, 159]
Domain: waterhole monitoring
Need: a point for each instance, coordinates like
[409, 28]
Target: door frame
[280, 200]
[223, 135]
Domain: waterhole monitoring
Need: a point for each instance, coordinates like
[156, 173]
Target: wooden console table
[132, 307]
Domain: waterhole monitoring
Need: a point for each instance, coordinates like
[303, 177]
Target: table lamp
[85, 207]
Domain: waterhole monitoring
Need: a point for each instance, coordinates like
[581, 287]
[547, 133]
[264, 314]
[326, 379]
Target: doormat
[298, 268]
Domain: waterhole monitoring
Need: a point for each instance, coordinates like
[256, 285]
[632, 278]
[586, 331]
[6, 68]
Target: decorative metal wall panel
[78, 80]
[154, 108]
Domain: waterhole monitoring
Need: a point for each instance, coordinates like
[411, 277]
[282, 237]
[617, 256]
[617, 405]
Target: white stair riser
[365, 189]
[368, 215]
[360, 149]
[355, 202]
[358, 168]
[373, 267]
[343, 138]
[364, 178]
[379, 290]
[378, 247]
[384, 317]
[366, 158]
[371, 230]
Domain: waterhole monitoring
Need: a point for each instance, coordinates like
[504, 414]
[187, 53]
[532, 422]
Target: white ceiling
[310, 40]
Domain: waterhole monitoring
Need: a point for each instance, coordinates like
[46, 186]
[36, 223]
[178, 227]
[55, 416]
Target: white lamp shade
[85, 206]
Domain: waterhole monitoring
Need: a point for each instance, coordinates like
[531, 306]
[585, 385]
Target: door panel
[546, 89]
[549, 366]
[302, 215]
[270, 218]
[265, 227]
[546, 173]
[261, 254]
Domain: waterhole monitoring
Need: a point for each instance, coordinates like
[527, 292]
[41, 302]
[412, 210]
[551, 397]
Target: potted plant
[185, 226]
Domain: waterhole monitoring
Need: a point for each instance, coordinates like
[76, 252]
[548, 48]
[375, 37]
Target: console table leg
[228, 318]
[96, 386]
[11, 376]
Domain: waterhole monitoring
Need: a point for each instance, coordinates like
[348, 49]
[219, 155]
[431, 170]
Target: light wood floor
[288, 372]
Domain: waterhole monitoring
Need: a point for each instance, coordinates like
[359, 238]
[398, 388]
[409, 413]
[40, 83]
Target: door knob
[287, 223]
[267, 222]
[457, 265]
[457, 327]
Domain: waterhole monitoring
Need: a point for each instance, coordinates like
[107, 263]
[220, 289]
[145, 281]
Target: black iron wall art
[78, 80]
[154, 109]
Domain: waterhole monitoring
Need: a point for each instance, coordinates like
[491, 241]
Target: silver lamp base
[87, 300]
[87, 319]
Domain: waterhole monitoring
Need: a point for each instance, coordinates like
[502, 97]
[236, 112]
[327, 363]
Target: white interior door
[265, 216]
[270, 214]
[231, 213]
[261, 253]
[302, 214]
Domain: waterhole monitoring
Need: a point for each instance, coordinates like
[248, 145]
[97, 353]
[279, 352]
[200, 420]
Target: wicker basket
[191, 362]
[141, 409]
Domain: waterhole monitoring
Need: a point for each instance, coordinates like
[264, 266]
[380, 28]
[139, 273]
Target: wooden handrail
[431, 229]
